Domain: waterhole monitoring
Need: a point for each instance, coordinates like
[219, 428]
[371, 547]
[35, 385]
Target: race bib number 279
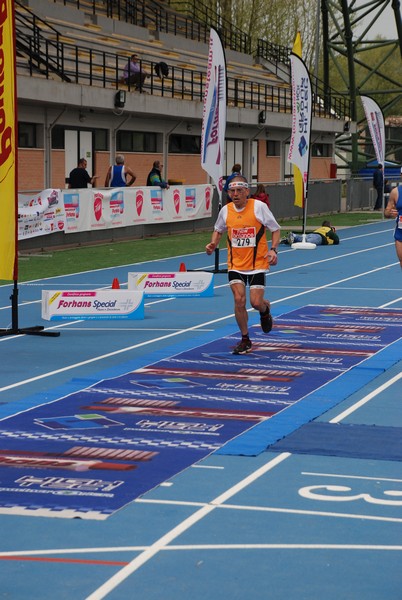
[243, 237]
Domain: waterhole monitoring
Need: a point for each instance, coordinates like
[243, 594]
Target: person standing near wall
[378, 184]
[119, 175]
[79, 177]
[155, 176]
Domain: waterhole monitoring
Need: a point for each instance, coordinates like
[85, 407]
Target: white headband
[238, 184]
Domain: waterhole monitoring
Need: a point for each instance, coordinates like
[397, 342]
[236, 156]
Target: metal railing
[273, 52]
[41, 51]
[325, 98]
[192, 21]
[232, 37]
[30, 41]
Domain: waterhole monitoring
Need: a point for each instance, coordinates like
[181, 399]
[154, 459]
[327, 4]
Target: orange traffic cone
[115, 284]
[182, 267]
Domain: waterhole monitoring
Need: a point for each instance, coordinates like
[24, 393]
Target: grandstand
[70, 59]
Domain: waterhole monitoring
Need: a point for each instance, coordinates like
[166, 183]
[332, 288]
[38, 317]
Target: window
[321, 150]
[101, 140]
[27, 135]
[185, 144]
[58, 138]
[136, 141]
[273, 148]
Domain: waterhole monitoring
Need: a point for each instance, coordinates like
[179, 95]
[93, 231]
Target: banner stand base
[36, 330]
[303, 245]
[216, 269]
[14, 329]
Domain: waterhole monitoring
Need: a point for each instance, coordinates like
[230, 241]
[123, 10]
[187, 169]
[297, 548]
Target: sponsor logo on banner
[176, 200]
[98, 206]
[117, 207]
[157, 204]
[207, 198]
[40, 214]
[139, 201]
[193, 283]
[190, 199]
[72, 208]
[106, 304]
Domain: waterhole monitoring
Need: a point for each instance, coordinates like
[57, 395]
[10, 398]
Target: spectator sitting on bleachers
[134, 74]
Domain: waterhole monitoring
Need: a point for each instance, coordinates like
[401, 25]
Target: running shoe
[266, 321]
[243, 348]
[290, 238]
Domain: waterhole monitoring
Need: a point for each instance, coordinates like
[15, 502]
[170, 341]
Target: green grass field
[64, 261]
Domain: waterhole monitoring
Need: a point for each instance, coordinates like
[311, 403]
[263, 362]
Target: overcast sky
[384, 25]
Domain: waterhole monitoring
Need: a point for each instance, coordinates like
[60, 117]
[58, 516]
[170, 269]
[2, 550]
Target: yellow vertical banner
[8, 146]
[298, 178]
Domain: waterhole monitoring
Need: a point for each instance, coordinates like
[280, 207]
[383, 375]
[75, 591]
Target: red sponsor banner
[8, 146]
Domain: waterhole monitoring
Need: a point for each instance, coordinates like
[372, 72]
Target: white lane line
[366, 399]
[192, 547]
[284, 547]
[194, 328]
[364, 477]
[392, 301]
[206, 467]
[313, 513]
[271, 273]
[166, 539]
[137, 329]
[290, 511]
[110, 354]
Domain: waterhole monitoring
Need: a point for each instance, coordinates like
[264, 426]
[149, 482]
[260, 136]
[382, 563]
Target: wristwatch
[275, 250]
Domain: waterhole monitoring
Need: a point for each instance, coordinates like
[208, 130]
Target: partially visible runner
[393, 210]
[245, 220]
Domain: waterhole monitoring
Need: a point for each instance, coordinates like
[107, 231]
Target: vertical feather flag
[375, 120]
[8, 146]
[214, 113]
[297, 176]
[299, 150]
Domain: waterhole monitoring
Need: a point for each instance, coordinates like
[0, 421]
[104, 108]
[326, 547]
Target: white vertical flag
[299, 149]
[214, 113]
[375, 120]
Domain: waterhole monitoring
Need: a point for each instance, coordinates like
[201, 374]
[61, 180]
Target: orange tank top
[247, 242]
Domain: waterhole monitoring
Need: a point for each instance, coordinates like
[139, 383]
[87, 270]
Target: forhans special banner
[8, 146]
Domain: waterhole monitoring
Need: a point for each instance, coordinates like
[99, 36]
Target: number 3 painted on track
[312, 492]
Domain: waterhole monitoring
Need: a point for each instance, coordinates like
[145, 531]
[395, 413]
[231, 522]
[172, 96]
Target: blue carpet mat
[91, 452]
[263, 435]
[346, 441]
